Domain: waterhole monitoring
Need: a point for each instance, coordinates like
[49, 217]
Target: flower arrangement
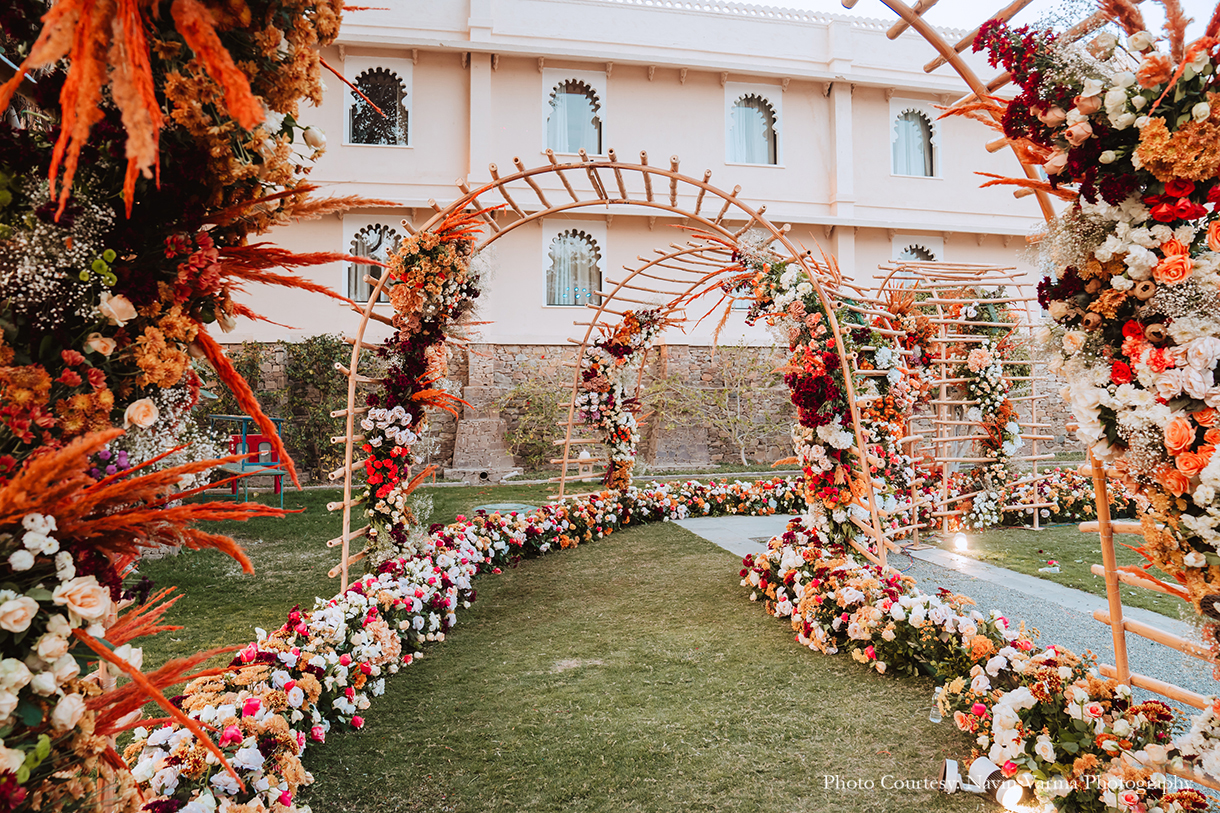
[432, 286]
[1078, 740]
[1126, 132]
[601, 399]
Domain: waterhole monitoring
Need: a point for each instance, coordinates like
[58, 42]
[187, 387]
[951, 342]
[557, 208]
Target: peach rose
[1179, 435]
[118, 309]
[1073, 340]
[50, 647]
[1212, 436]
[1051, 117]
[142, 413]
[97, 343]
[1206, 417]
[16, 614]
[84, 597]
[1173, 269]
[1079, 133]
[1056, 163]
[1190, 463]
[1088, 105]
[1213, 236]
[1174, 481]
[1174, 248]
[68, 712]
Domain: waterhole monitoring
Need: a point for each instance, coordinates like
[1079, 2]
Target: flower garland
[602, 401]
[1078, 740]
[432, 287]
[322, 668]
[1135, 264]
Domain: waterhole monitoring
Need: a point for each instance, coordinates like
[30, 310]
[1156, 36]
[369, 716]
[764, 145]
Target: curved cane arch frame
[692, 259]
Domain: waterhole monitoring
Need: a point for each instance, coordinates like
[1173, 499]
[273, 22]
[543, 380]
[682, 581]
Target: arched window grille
[385, 89]
[753, 131]
[913, 148]
[574, 276]
[377, 242]
[574, 123]
[916, 254]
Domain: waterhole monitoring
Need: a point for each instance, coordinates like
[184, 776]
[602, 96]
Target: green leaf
[39, 594]
[1070, 747]
[43, 749]
[29, 713]
[23, 775]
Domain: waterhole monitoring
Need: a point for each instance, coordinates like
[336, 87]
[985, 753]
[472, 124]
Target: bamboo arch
[684, 268]
[1104, 527]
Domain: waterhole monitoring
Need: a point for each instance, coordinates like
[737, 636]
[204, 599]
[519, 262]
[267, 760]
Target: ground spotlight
[960, 542]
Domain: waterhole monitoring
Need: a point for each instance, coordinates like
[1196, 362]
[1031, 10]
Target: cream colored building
[820, 117]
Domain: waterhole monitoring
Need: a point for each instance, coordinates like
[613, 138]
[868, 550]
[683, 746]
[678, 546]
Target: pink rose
[978, 709]
[1056, 163]
[286, 799]
[1129, 798]
[1093, 710]
[345, 660]
[317, 734]
[97, 343]
[251, 707]
[1010, 769]
[232, 735]
[357, 722]
[142, 413]
[84, 597]
[1079, 133]
[1088, 105]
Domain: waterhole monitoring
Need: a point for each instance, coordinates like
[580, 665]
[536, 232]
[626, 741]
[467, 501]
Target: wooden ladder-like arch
[681, 270]
[950, 54]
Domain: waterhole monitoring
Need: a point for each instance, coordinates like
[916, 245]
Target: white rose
[315, 138]
[1201, 111]
[16, 614]
[65, 668]
[1108, 157]
[83, 596]
[1045, 749]
[44, 683]
[1194, 559]
[50, 647]
[1140, 41]
[8, 704]
[68, 712]
[11, 759]
[1121, 728]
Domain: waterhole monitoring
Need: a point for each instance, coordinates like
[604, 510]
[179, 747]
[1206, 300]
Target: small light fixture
[984, 777]
[960, 542]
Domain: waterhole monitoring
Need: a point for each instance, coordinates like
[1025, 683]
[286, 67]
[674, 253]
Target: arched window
[377, 242]
[574, 123]
[384, 89]
[753, 134]
[913, 147]
[916, 254]
[574, 276]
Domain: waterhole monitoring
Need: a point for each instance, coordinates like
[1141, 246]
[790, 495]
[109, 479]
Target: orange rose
[1206, 453]
[1213, 236]
[1173, 269]
[1174, 481]
[1173, 248]
[1206, 416]
[1179, 435]
[1190, 463]
[1212, 436]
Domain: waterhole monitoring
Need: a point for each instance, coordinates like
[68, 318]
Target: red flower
[1187, 209]
[1133, 330]
[1164, 213]
[1120, 373]
[97, 378]
[72, 358]
[1213, 194]
[1179, 188]
[69, 378]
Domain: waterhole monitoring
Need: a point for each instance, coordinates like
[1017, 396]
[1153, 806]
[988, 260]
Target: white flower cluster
[388, 425]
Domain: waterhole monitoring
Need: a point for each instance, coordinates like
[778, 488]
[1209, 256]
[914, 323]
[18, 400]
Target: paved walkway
[1061, 614]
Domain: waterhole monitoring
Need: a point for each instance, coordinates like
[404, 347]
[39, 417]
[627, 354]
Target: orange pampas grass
[1028, 183]
[1125, 13]
[105, 40]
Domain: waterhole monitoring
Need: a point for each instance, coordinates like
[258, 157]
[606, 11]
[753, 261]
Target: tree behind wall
[738, 397]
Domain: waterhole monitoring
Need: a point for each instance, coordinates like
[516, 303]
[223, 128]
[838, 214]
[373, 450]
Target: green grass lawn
[632, 674]
[1025, 551]
[628, 674]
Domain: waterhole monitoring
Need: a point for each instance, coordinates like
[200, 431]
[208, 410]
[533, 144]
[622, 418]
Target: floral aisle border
[320, 669]
[1043, 715]
[156, 143]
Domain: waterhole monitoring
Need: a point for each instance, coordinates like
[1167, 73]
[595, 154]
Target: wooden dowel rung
[335, 506]
[343, 438]
[1159, 686]
[337, 473]
[1118, 527]
[351, 560]
[374, 315]
[339, 413]
[356, 534]
[1160, 636]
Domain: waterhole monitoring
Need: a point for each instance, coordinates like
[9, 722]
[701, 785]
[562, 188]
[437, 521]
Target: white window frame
[774, 96]
[352, 225]
[552, 228]
[353, 66]
[935, 245]
[596, 80]
[897, 108]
